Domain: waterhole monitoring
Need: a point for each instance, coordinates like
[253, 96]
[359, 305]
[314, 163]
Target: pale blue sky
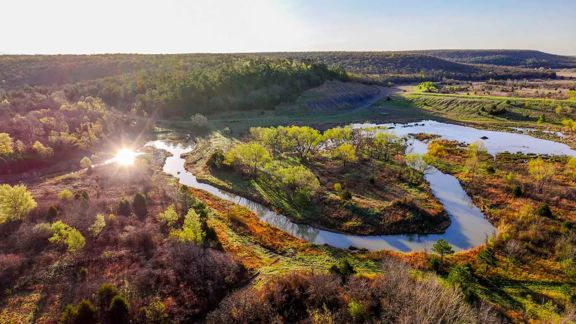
[172, 26]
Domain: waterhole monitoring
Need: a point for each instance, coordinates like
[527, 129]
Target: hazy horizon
[255, 26]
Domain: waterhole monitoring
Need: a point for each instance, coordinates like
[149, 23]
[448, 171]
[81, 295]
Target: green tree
[487, 257]
[15, 202]
[6, 144]
[462, 277]
[191, 230]
[474, 152]
[337, 135]
[541, 171]
[64, 234]
[298, 179]
[305, 140]
[345, 153]
[249, 157]
[428, 86]
[85, 312]
[169, 217]
[43, 151]
[98, 225]
[139, 205]
[385, 144]
[118, 312]
[65, 195]
[442, 247]
[124, 208]
[104, 295]
[357, 311]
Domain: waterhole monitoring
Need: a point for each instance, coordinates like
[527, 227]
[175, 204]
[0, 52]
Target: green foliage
[118, 311]
[338, 135]
[43, 151]
[442, 247]
[64, 234]
[6, 144]
[428, 86]
[541, 171]
[169, 217]
[191, 231]
[357, 310]
[303, 140]
[463, 277]
[248, 157]
[104, 295]
[343, 268]
[570, 167]
[434, 263]
[474, 152]
[488, 257]
[98, 225]
[83, 313]
[345, 153]
[298, 179]
[15, 202]
[139, 205]
[416, 162]
[385, 144]
[124, 208]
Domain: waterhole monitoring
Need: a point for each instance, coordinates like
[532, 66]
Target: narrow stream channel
[469, 227]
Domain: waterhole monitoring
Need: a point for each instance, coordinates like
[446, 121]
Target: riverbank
[382, 200]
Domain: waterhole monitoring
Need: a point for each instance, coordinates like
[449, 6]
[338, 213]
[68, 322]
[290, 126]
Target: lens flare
[125, 157]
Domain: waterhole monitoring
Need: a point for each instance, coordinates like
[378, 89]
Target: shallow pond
[469, 227]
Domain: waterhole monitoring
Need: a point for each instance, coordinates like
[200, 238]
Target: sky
[192, 26]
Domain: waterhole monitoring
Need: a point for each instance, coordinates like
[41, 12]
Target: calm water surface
[469, 227]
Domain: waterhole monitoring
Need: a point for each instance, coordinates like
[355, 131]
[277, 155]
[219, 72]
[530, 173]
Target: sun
[125, 156]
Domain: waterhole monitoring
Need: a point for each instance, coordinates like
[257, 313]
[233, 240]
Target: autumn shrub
[141, 240]
[244, 306]
[11, 265]
[199, 277]
[32, 239]
[396, 296]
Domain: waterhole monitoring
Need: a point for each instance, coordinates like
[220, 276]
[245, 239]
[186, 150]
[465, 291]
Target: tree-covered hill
[520, 58]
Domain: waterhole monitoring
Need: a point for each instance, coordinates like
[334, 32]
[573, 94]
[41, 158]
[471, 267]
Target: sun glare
[125, 157]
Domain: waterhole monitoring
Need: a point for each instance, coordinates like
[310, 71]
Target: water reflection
[469, 227]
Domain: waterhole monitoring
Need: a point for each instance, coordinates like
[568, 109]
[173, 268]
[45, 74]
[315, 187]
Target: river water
[469, 227]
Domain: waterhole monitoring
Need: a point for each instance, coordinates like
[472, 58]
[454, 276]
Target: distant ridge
[519, 58]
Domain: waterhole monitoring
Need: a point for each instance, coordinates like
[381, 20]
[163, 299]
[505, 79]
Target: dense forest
[520, 58]
[401, 67]
[38, 122]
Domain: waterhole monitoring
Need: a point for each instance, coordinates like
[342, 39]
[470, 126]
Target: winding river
[469, 227]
